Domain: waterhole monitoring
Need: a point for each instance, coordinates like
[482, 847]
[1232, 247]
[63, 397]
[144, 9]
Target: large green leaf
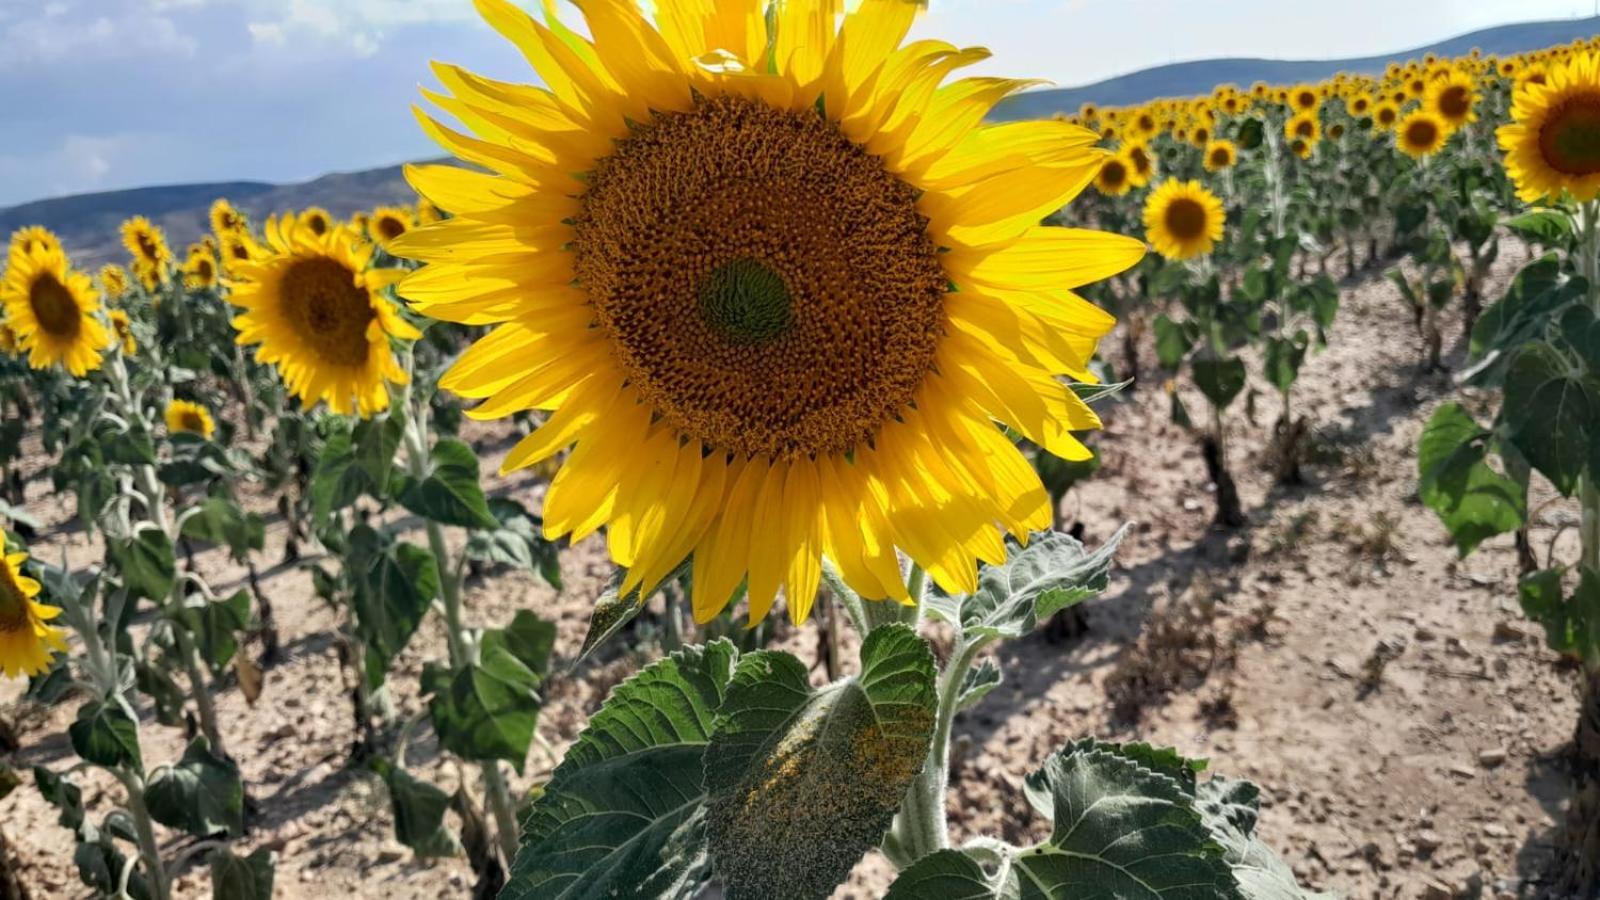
[418, 809]
[528, 638]
[241, 878]
[450, 494]
[1220, 380]
[107, 734]
[146, 563]
[216, 625]
[1283, 359]
[1053, 572]
[623, 815]
[516, 542]
[1552, 228]
[220, 521]
[355, 461]
[1473, 500]
[487, 710]
[394, 586]
[201, 794]
[1230, 809]
[1553, 413]
[1172, 342]
[1571, 624]
[61, 792]
[802, 782]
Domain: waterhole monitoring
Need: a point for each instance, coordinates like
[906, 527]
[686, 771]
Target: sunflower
[1221, 155]
[1359, 105]
[26, 641]
[26, 240]
[1301, 148]
[239, 247]
[1305, 99]
[122, 326]
[1452, 99]
[1182, 219]
[1421, 134]
[1552, 143]
[318, 312]
[427, 213]
[317, 220]
[146, 242]
[192, 418]
[200, 272]
[387, 224]
[1386, 115]
[1115, 177]
[113, 280]
[225, 219]
[1141, 163]
[52, 309]
[151, 276]
[777, 287]
[8, 340]
[1304, 127]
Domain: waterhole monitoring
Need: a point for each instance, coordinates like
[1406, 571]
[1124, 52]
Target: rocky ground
[1406, 723]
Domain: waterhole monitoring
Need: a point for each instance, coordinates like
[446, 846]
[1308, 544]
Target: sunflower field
[690, 486]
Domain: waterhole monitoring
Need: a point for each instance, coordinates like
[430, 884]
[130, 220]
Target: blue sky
[107, 94]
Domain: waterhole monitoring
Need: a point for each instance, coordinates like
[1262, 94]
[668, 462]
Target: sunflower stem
[499, 797]
[1590, 528]
[845, 597]
[144, 829]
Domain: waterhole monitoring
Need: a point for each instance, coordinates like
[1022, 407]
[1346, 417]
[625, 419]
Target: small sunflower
[113, 281]
[1183, 219]
[8, 340]
[1305, 99]
[1386, 115]
[786, 304]
[26, 642]
[317, 220]
[1221, 155]
[1301, 148]
[1421, 134]
[1115, 177]
[1141, 163]
[26, 240]
[151, 276]
[1359, 105]
[239, 247]
[122, 326]
[1304, 127]
[1552, 144]
[200, 272]
[52, 309]
[185, 416]
[146, 242]
[388, 223]
[318, 312]
[225, 219]
[1452, 98]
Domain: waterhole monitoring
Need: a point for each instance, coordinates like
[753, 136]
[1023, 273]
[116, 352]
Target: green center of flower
[1570, 138]
[1186, 219]
[329, 310]
[746, 302]
[54, 307]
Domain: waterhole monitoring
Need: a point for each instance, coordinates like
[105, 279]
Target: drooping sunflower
[239, 247]
[1552, 143]
[317, 219]
[113, 281]
[1303, 127]
[26, 641]
[723, 259]
[122, 326]
[186, 416]
[200, 272]
[146, 242]
[151, 276]
[1115, 177]
[1453, 98]
[387, 224]
[53, 310]
[1221, 155]
[318, 311]
[1183, 219]
[1421, 133]
[1141, 163]
[225, 219]
[26, 240]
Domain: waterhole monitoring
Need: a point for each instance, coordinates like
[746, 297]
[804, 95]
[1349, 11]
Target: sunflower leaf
[202, 794]
[450, 494]
[801, 782]
[1053, 572]
[1454, 480]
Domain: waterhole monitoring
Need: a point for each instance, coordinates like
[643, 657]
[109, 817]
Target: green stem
[1591, 522]
[1590, 268]
[199, 688]
[924, 818]
[499, 797]
[846, 598]
[144, 829]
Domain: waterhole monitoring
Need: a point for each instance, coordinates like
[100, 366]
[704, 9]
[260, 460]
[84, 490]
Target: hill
[1189, 78]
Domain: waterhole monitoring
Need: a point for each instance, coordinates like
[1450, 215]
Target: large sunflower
[1182, 219]
[26, 642]
[146, 243]
[778, 287]
[1421, 134]
[185, 416]
[318, 312]
[1452, 97]
[1553, 141]
[52, 309]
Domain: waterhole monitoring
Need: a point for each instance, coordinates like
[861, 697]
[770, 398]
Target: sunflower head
[151, 276]
[184, 416]
[239, 247]
[1305, 99]
[53, 310]
[387, 224]
[319, 314]
[1552, 144]
[146, 242]
[26, 640]
[317, 220]
[200, 271]
[122, 327]
[113, 280]
[1303, 127]
[1359, 105]
[1421, 134]
[1141, 163]
[33, 237]
[1221, 155]
[1386, 115]
[1183, 219]
[1302, 148]
[1115, 177]
[784, 306]
[225, 219]
[8, 340]
[1453, 97]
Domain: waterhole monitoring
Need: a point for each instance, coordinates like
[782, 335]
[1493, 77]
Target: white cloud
[62, 31]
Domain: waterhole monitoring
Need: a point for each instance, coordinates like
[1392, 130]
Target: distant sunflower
[1141, 163]
[1115, 177]
[1421, 134]
[1304, 127]
[1305, 99]
[146, 242]
[239, 247]
[53, 311]
[317, 310]
[387, 224]
[225, 219]
[1221, 155]
[113, 281]
[1452, 99]
[1359, 105]
[200, 272]
[1552, 143]
[783, 308]
[33, 237]
[1302, 148]
[151, 276]
[185, 416]
[317, 220]
[1182, 219]
[1386, 115]
[8, 340]
[26, 641]
[122, 326]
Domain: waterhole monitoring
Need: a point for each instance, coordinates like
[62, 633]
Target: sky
[109, 94]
